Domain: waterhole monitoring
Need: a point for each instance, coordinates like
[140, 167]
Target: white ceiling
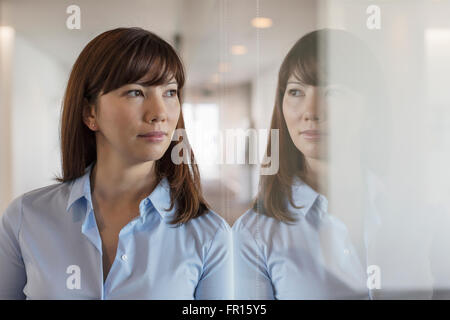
[208, 28]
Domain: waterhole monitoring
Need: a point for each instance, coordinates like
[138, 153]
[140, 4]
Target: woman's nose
[315, 107]
[156, 109]
[312, 115]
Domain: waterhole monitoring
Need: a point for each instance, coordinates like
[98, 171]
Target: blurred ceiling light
[7, 35]
[224, 67]
[261, 22]
[6, 32]
[238, 50]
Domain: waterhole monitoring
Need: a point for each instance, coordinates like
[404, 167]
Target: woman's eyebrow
[144, 84]
[141, 83]
[295, 82]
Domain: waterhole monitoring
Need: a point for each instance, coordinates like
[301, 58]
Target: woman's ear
[89, 116]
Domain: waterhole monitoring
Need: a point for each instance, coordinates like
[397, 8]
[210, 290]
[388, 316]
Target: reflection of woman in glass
[288, 246]
[126, 222]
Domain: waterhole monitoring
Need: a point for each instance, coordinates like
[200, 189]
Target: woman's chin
[315, 154]
[148, 156]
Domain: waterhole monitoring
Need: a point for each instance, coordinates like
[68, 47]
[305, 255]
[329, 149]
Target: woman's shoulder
[207, 229]
[210, 222]
[43, 197]
[252, 220]
[47, 194]
[303, 198]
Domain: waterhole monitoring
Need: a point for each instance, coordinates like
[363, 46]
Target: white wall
[36, 86]
[6, 51]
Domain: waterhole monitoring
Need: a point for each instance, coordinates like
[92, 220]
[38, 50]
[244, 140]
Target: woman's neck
[115, 183]
[317, 175]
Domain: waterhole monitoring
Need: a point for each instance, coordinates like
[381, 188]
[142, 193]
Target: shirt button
[124, 257]
[146, 201]
[346, 251]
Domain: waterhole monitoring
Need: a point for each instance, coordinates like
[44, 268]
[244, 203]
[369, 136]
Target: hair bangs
[147, 62]
[305, 71]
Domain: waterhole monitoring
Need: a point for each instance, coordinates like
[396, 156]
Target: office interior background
[232, 50]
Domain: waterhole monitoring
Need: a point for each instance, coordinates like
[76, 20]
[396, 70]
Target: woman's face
[137, 122]
[305, 117]
[323, 121]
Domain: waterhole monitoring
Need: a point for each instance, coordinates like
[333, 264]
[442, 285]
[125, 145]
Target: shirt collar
[158, 199]
[305, 196]
[81, 187]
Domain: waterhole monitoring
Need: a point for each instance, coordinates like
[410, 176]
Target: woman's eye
[135, 93]
[171, 93]
[296, 92]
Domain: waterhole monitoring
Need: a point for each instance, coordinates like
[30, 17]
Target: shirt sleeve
[12, 269]
[251, 279]
[216, 279]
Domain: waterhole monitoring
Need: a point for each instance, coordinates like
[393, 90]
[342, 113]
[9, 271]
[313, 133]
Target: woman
[124, 222]
[288, 246]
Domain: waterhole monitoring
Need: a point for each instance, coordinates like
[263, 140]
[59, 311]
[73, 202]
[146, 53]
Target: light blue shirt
[50, 248]
[312, 258]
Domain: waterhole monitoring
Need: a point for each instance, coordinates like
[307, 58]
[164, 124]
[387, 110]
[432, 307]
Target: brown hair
[111, 60]
[308, 61]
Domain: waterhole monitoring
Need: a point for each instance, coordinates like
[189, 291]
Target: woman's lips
[154, 136]
[312, 135]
